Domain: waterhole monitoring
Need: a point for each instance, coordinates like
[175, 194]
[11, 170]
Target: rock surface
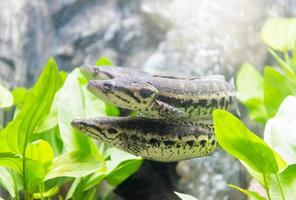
[161, 36]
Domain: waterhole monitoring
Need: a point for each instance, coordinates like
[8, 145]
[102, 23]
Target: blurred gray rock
[207, 178]
[161, 36]
[208, 37]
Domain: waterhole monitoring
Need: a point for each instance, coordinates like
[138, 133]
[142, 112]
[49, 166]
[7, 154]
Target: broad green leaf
[51, 120]
[40, 151]
[35, 173]
[257, 110]
[6, 181]
[103, 61]
[185, 196]
[18, 132]
[111, 110]
[74, 164]
[275, 90]
[249, 83]
[257, 175]
[287, 179]
[123, 171]
[19, 96]
[94, 179]
[235, 138]
[74, 101]
[280, 33]
[73, 188]
[280, 131]
[12, 161]
[53, 137]
[48, 193]
[251, 194]
[116, 157]
[6, 98]
[120, 166]
[285, 66]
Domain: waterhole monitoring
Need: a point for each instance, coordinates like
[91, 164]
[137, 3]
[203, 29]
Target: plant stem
[41, 189]
[266, 186]
[26, 194]
[280, 186]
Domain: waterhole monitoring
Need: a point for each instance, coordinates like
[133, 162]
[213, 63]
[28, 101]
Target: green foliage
[103, 61]
[262, 96]
[40, 151]
[280, 33]
[185, 196]
[6, 98]
[268, 100]
[279, 131]
[236, 139]
[251, 194]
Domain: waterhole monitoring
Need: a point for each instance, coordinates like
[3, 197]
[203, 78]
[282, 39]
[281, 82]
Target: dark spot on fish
[190, 143]
[169, 142]
[112, 130]
[203, 142]
[202, 102]
[222, 102]
[134, 138]
[145, 93]
[214, 102]
[213, 142]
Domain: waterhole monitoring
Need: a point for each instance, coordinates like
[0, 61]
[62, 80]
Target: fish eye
[145, 93]
[107, 86]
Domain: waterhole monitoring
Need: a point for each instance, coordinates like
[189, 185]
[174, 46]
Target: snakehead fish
[167, 97]
[153, 139]
[109, 72]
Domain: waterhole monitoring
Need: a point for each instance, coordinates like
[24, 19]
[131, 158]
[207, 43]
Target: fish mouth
[96, 87]
[78, 124]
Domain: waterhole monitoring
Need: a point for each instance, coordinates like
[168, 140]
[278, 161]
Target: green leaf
[285, 66]
[257, 110]
[74, 164]
[249, 83]
[19, 96]
[40, 151]
[287, 180]
[12, 161]
[103, 61]
[35, 173]
[48, 193]
[111, 110]
[253, 195]
[6, 181]
[280, 131]
[53, 137]
[51, 119]
[235, 138]
[280, 33]
[123, 171]
[6, 98]
[74, 101]
[120, 166]
[17, 133]
[275, 90]
[185, 196]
